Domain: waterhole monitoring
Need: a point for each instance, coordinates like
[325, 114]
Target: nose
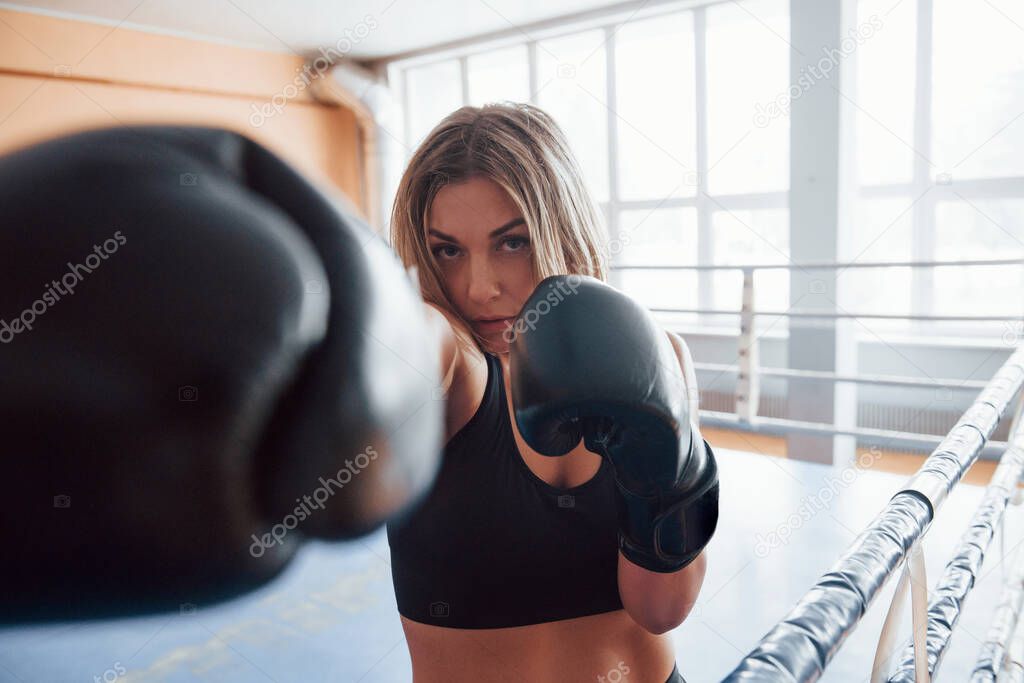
[483, 282]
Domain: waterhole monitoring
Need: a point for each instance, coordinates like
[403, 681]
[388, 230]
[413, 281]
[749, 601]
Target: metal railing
[747, 393]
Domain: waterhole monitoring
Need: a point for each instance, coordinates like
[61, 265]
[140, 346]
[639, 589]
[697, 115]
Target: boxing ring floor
[331, 616]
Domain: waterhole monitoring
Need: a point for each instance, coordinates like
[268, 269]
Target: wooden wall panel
[59, 76]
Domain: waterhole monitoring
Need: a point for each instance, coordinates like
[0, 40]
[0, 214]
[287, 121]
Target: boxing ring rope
[778, 426]
[801, 646]
[958, 579]
[877, 380]
[829, 315]
[749, 372]
[829, 266]
[994, 651]
[994, 654]
[1013, 672]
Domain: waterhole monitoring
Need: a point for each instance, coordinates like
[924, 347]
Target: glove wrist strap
[666, 531]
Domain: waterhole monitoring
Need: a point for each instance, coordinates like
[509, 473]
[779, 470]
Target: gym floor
[332, 615]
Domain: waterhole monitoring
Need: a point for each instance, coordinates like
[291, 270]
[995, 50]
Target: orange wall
[59, 76]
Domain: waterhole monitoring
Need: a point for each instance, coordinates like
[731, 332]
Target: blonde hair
[521, 149]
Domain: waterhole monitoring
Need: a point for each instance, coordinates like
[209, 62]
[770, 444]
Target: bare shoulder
[456, 341]
[681, 349]
[463, 369]
[689, 374]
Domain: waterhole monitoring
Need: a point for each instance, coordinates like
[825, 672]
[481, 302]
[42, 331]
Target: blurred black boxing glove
[203, 358]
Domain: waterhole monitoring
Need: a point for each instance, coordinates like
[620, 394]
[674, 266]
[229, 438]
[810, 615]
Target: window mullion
[705, 244]
[464, 76]
[923, 229]
[613, 145]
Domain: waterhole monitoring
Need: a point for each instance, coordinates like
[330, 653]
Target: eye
[445, 252]
[515, 243]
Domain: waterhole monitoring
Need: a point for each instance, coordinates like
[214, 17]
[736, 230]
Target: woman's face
[481, 244]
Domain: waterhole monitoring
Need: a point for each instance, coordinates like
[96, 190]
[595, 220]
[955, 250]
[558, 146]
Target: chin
[496, 345]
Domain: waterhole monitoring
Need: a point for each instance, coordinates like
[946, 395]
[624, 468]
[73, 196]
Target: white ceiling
[376, 28]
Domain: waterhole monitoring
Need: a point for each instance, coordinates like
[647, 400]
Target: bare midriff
[600, 647]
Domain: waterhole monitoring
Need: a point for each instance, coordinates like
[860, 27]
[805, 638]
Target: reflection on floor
[332, 616]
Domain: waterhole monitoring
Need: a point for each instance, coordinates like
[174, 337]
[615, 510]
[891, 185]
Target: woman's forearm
[657, 601]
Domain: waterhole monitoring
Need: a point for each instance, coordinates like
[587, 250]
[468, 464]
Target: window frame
[705, 204]
[927, 192]
[924, 190]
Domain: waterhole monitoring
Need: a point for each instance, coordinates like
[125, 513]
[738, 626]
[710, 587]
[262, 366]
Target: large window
[940, 100]
[655, 107]
[660, 112]
[572, 86]
[669, 114]
[498, 75]
[436, 90]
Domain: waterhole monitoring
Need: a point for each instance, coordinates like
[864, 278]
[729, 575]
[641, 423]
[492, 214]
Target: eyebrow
[515, 222]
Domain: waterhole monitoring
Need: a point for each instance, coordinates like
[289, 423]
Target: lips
[493, 324]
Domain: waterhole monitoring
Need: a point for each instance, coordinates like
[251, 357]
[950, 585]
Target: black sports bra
[493, 545]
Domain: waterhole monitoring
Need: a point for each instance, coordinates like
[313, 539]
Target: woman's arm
[657, 601]
[660, 602]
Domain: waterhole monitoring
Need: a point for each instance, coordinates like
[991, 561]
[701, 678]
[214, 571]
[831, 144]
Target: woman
[510, 569]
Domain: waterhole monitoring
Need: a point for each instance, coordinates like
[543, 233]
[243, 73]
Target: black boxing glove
[594, 364]
[203, 359]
